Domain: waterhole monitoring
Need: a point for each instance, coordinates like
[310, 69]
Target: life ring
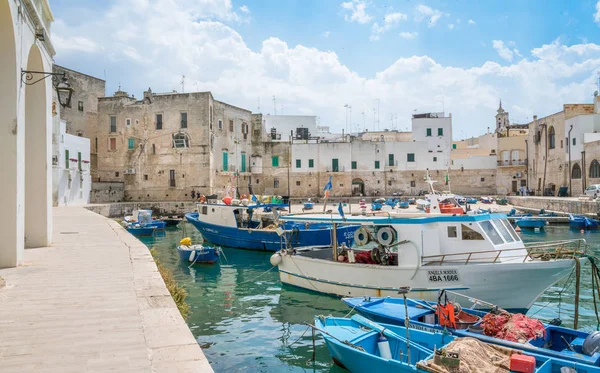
[361, 236]
[386, 236]
[202, 199]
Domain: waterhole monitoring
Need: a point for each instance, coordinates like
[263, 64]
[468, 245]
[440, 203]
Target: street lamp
[64, 91]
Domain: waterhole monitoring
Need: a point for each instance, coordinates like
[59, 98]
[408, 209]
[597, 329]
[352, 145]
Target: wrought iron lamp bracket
[28, 75]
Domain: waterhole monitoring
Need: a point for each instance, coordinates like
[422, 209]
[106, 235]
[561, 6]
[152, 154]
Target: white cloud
[326, 34]
[423, 12]
[506, 51]
[213, 56]
[451, 27]
[597, 15]
[471, 22]
[357, 10]
[391, 20]
[409, 35]
[244, 9]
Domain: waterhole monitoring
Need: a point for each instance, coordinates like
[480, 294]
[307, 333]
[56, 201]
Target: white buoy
[275, 259]
[384, 347]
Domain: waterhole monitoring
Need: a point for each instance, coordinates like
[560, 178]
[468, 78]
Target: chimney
[148, 93]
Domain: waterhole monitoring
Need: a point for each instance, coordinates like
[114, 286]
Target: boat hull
[206, 255]
[269, 240]
[531, 223]
[144, 231]
[494, 282]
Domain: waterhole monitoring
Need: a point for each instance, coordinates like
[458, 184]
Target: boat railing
[546, 251]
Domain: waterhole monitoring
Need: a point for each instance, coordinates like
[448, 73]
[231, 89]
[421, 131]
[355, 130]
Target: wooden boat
[309, 205]
[582, 222]
[259, 227]
[144, 219]
[559, 342]
[530, 223]
[487, 200]
[377, 204]
[198, 254]
[138, 230]
[471, 200]
[360, 345]
[403, 204]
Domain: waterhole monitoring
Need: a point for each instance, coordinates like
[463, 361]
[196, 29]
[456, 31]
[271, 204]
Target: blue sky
[317, 56]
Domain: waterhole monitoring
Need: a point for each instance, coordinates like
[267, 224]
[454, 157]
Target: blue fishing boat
[144, 219]
[471, 200]
[377, 204]
[487, 200]
[513, 214]
[582, 222]
[403, 204]
[460, 199]
[252, 227]
[197, 253]
[530, 223]
[138, 230]
[558, 342]
[391, 202]
[309, 205]
[412, 201]
[360, 345]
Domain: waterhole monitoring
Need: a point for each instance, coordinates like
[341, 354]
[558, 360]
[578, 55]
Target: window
[491, 232]
[243, 167]
[391, 160]
[225, 161]
[66, 158]
[453, 146]
[145, 177]
[112, 143]
[440, 132]
[469, 234]
[429, 132]
[354, 165]
[275, 161]
[452, 231]
[153, 149]
[377, 165]
[131, 143]
[275, 183]
[298, 163]
[96, 144]
[172, 178]
[204, 210]
[113, 124]
[220, 124]
[482, 179]
[413, 184]
[576, 172]
[128, 122]
[335, 165]
[551, 138]
[574, 141]
[80, 105]
[389, 182]
[594, 169]
[183, 117]
[311, 163]
[159, 122]
[510, 229]
[435, 159]
[410, 157]
[567, 144]
[116, 174]
[561, 144]
[297, 183]
[503, 231]
[181, 140]
[230, 125]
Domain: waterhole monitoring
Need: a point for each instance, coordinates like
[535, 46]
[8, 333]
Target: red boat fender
[522, 363]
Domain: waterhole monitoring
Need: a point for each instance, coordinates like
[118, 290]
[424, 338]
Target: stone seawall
[119, 210]
[563, 205]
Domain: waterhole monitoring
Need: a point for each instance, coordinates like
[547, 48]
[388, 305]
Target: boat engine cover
[591, 344]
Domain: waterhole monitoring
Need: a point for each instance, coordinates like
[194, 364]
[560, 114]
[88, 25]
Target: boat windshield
[503, 231]
[491, 232]
[511, 229]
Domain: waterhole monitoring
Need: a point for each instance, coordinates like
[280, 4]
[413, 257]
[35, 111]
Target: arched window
[551, 138]
[594, 169]
[181, 140]
[576, 172]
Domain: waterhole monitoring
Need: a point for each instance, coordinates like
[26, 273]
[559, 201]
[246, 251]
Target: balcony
[513, 162]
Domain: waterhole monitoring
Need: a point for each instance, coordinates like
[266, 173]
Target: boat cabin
[238, 216]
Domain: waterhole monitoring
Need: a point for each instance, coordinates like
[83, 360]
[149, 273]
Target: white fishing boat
[479, 255]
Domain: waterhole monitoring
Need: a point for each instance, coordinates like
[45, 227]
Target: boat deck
[92, 302]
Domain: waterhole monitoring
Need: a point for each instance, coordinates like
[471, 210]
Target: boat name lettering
[445, 275]
[421, 327]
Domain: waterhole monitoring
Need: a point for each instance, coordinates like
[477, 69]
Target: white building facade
[25, 128]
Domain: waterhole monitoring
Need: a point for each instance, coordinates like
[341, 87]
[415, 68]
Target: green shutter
[377, 165]
[391, 160]
[79, 160]
[225, 161]
[354, 166]
[298, 163]
[66, 158]
[335, 165]
[275, 161]
[435, 159]
[131, 143]
[453, 146]
[440, 132]
[311, 163]
[428, 131]
[410, 157]
[243, 162]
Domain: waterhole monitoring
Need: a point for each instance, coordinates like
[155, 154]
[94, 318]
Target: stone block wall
[107, 192]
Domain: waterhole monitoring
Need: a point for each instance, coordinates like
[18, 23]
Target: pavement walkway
[92, 302]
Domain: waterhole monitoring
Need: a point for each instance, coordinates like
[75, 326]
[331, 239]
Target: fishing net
[516, 328]
[475, 357]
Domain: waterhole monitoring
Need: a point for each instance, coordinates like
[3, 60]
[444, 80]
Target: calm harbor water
[246, 324]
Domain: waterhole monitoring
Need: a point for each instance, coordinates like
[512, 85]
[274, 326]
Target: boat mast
[334, 242]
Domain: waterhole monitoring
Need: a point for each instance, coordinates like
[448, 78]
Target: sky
[355, 64]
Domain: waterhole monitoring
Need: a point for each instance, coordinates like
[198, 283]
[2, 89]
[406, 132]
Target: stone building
[81, 117]
[25, 128]
[167, 145]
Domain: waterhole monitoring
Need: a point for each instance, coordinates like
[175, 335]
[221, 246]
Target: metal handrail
[559, 248]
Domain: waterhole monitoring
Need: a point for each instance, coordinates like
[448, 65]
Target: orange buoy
[227, 200]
